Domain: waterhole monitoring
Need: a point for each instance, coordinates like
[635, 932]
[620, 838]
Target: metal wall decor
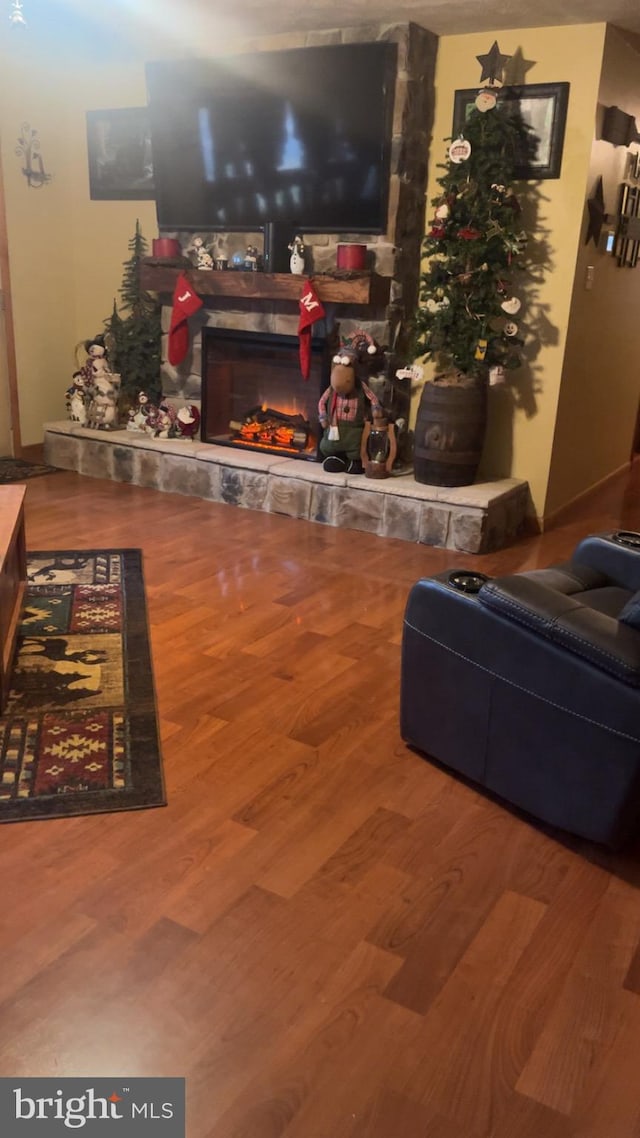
[28, 148]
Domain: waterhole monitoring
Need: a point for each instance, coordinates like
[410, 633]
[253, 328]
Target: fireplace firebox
[254, 396]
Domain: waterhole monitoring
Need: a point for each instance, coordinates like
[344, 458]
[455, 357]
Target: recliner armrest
[596, 637]
[621, 563]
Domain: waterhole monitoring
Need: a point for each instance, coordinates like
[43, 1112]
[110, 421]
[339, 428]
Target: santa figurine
[187, 421]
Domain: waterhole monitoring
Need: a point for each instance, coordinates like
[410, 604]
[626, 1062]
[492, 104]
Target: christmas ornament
[493, 230]
[437, 231]
[485, 101]
[433, 306]
[515, 242]
[469, 233]
[442, 211]
[481, 349]
[493, 64]
[497, 376]
[460, 150]
[510, 328]
[511, 305]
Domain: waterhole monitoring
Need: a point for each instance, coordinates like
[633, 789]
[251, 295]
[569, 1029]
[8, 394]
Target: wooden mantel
[359, 288]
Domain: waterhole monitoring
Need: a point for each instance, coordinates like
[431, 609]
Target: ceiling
[444, 17]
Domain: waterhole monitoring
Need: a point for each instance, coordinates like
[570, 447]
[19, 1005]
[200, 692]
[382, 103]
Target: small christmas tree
[134, 332]
[466, 319]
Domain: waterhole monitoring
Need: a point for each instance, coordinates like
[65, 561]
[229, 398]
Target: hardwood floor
[327, 935]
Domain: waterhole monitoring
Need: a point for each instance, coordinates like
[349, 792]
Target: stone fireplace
[254, 396]
[263, 308]
[393, 256]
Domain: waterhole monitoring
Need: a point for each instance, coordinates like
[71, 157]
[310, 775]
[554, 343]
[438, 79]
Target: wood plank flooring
[327, 935]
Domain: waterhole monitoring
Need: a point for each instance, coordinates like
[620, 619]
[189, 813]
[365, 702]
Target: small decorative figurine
[94, 384]
[251, 259]
[163, 421]
[187, 422]
[104, 393]
[204, 260]
[96, 350]
[140, 414]
[75, 398]
[296, 260]
[342, 407]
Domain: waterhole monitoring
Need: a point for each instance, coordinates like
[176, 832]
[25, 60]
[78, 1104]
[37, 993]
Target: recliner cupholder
[465, 581]
[627, 537]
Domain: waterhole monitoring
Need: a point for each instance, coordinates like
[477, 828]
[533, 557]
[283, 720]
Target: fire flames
[266, 427]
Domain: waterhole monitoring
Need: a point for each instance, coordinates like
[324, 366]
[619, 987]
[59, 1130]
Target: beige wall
[65, 251]
[601, 374]
[522, 418]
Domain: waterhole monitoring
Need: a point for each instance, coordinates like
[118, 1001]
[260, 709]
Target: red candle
[166, 247]
[352, 256]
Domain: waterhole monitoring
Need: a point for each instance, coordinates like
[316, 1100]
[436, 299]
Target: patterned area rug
[79, 734]
[17, 470]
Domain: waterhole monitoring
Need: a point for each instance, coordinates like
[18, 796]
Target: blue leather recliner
[529, 685]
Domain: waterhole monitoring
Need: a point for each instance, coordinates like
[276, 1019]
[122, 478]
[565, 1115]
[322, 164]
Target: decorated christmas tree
[468, 320]
[133, 331]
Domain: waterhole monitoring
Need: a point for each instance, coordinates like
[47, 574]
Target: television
[297, 139]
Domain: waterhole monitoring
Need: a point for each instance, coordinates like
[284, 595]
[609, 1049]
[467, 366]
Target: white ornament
[442, 211]
[497, 376]
[460, 150]
[511, 305]
[485, 101]
[511, 328]
[437, 305]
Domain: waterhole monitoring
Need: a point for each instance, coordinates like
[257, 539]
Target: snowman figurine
[204, 260]
[296, 260]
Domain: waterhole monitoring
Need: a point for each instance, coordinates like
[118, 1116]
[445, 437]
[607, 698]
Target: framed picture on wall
[119, 150]
[543, 107]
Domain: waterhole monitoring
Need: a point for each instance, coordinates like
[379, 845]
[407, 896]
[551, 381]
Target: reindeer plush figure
[345, 405]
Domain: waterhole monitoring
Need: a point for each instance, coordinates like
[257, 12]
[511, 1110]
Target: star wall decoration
[597, 214]
[493, 64]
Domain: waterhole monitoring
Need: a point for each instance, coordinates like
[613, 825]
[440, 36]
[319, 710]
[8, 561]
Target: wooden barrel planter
[449, 434]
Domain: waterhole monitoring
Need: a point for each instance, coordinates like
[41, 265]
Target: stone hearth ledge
[472, 519]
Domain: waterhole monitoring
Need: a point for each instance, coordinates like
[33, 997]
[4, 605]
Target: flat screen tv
[297, 138]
